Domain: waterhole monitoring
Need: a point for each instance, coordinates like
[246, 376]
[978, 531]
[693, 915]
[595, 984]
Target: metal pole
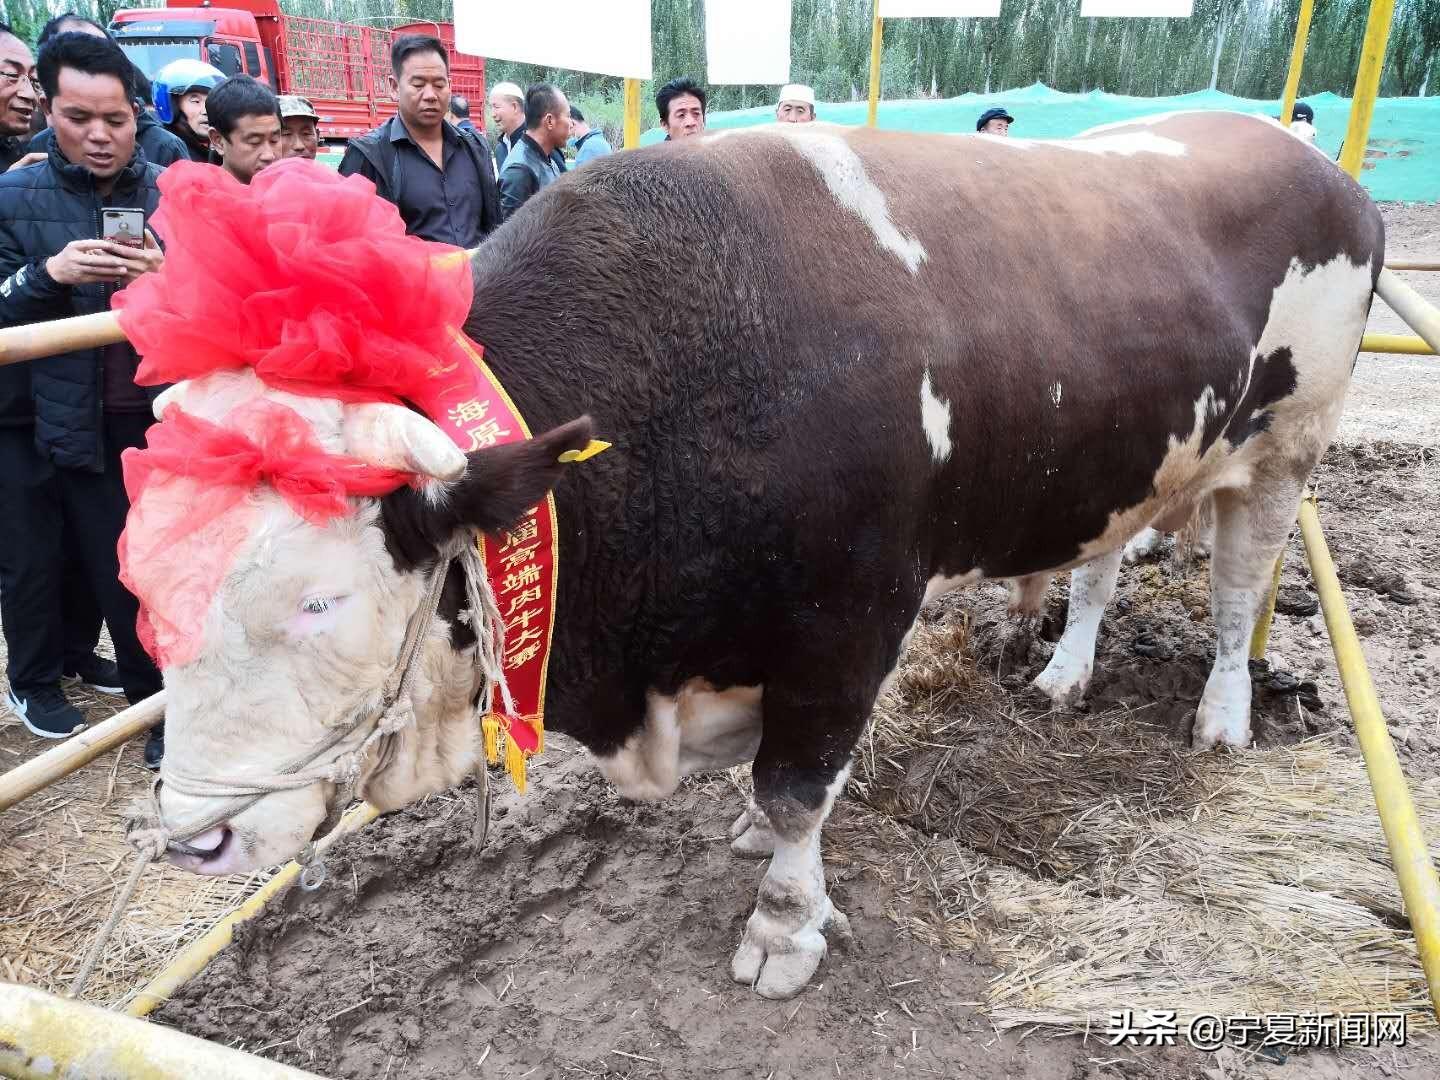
[1297, 60]
[1260, 638]
[1367, 85]
[877, 38]
[632, 113]
[1413, 867]
[1396, 343]
[43, 1037]
[1419, 314]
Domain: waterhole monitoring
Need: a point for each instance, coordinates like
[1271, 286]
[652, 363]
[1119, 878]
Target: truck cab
[228, 38]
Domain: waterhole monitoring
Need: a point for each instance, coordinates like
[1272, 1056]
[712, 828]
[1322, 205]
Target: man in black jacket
[441, 179]
[531, 163]
[75, 413]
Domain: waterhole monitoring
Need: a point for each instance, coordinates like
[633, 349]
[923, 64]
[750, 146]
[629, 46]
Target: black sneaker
[155, 746]
[98, 674]
[46, 713]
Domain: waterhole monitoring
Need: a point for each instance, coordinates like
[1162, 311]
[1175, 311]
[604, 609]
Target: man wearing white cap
[507, 109]
[797, 104]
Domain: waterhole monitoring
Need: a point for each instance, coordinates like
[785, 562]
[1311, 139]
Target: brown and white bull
[844, 371]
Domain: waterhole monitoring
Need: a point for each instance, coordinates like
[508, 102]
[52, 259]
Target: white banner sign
[939, 9]
[612, 38]
[747, 41]
[1137, 9]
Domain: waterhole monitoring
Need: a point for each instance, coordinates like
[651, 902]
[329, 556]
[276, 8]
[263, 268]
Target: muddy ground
[592, 937]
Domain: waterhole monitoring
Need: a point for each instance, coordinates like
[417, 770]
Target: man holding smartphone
[65, 482]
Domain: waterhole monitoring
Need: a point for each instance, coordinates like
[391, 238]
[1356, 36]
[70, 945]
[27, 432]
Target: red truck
[341, 67]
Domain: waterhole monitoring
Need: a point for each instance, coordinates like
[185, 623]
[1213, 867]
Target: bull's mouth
[204, 853]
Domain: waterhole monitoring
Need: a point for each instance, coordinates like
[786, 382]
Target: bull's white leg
[1250, 531]
[1142, 545]
[1091, 585]
[751, 837]
[784, 939]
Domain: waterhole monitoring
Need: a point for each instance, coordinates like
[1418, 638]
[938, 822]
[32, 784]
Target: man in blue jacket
[66, 419]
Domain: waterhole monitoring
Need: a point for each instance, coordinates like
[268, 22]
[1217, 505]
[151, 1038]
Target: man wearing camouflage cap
[300, 127]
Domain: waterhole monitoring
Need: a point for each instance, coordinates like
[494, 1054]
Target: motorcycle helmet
[179, 77]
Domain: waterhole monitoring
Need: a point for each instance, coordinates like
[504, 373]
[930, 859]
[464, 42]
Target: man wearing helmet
[180, 89]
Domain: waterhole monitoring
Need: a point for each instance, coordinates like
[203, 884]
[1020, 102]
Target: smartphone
[123, 226]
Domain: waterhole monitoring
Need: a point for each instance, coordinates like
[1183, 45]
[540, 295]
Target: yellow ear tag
[596, 446]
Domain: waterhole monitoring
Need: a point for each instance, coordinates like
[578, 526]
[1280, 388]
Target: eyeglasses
[14, 77]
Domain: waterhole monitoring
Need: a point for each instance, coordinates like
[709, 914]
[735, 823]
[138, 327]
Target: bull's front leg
[785, 937]
[1068, 674]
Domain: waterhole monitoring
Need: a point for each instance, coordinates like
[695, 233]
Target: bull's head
[301, 628]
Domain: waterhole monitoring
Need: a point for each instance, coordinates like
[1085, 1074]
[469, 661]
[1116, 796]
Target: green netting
[1402, 161]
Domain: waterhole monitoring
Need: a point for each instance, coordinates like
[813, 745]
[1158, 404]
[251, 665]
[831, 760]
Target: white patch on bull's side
[844, 174]
[935, 419]
[1160, 118]
[1126, 144]
[1319, 314]
[700, 729]
[1068, 674]
[1056, 393]
[784, 940]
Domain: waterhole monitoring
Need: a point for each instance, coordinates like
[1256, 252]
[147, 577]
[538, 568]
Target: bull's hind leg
[1251, 527]
[1091, 585]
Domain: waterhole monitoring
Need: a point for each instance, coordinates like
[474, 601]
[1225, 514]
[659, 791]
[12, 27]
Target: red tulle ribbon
[284, 454]
[303, 275]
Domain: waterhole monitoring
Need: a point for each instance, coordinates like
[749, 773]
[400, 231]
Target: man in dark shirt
[460, 112]
[531, 164]
[441, 179]
[68, 418]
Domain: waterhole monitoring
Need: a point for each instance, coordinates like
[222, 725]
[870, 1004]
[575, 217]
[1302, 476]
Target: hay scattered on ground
[63, 856]
[1103, 866]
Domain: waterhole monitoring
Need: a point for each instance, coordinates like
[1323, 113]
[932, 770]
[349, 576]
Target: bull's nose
[205, 853]
[208, 842]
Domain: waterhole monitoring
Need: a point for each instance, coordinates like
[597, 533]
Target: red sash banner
[467, 401]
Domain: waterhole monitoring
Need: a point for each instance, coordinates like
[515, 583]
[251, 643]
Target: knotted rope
[392, 713]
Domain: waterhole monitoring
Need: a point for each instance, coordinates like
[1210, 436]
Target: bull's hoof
[1063, 681]
[756, 842]
[1219, 730]
[1223, 718]
[1142, 545]
[751, 836]
[777, 963]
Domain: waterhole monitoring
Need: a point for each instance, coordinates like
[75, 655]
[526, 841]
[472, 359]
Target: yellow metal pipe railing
[1413, 867]
[1419, 314]
[1367, 85]
[44, 1037]
[1297, 60]
[877, 38]
[1396, 343]
[632, 113]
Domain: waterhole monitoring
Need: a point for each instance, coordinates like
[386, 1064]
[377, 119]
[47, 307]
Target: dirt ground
[592, 937]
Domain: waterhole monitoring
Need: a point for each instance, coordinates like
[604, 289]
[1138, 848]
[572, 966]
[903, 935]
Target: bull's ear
[501, 483]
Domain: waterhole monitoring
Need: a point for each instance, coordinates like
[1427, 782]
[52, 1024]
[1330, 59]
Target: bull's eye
[315, 605]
